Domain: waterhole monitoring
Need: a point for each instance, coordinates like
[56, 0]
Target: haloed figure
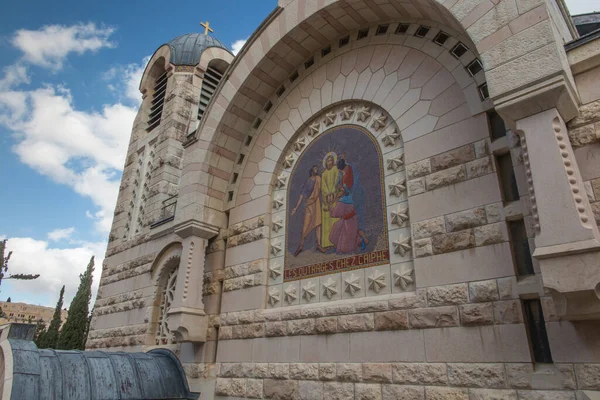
[311, 191]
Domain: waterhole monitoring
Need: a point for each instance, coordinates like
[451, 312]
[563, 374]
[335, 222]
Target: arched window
[163, 335]
[212, 77]
[159, 89]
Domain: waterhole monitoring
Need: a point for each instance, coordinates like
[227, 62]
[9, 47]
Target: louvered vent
[212, 77]
[158, 100]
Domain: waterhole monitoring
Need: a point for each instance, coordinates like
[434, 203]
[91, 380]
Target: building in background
[28, 313]
[373, 199]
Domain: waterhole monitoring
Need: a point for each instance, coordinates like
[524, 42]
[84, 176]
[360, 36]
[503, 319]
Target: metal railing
[167, 211]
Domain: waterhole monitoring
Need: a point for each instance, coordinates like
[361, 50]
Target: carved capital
[188, 324]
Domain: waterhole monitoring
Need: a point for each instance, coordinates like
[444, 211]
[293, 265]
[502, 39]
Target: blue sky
[69, 74]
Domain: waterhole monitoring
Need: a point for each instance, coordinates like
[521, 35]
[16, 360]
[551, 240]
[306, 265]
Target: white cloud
[84, 150]
[14, 75]
[56, 266]
[49, 46]
[125, 81]
[237, 46]
[61, 234]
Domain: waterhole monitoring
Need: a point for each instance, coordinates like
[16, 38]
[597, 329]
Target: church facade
[373, 200]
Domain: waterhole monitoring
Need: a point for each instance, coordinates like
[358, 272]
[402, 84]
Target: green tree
[8, 300]
[4, 267]
[73, 333]
[50, 338]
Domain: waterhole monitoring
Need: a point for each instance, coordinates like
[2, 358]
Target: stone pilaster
[567, 238]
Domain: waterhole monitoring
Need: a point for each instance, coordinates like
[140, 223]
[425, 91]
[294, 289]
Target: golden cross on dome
[206, 27]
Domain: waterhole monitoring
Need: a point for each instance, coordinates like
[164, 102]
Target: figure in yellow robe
[329, 178]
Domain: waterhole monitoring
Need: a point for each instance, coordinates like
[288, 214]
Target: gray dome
[187, 49]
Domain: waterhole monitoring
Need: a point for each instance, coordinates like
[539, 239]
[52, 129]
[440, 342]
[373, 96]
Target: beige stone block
[373, 372]
[480, 167]
[382, 346]
[495, 343]
[476, 314]
[356, 323]
[466, 219]
[277, 328]
[304, 371]
[446, 177]
[442, 393]
[490, 234]
[327, 371]
[230, 387]
[545, 395]
[301, 327]
[422, 247]
[508, 312]
[280, 389]
[483, 291]
[453, 158]
[433, 317]
[310, 390]
[338, 390]
[416, 186]
[326, 325]
[418, 169]
[517, 45]
[279, 370]
[507, 288]
[420, 373]
[448, 295]
[492, 394]
[588, 376]
[428, 228]
[451, 242]
[462, 196]
[367, 391]
[583, 135]
[394, 392]
[477, 375]
[391, 320]
[519, 375]
[409, 300]
[486, 262]
[254, 388]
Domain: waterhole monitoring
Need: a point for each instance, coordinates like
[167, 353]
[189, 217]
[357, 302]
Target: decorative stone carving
[352, 284]
[313, 129]
[330, 288]
[402, 246]
[290, 294]
[377, 281]
[278, 203]
[398, 187]
[364, 113]
[299, 144]
[403, 277]
[396, 162]
[163, 334]
[329, 118]
[399, 216]
[289, 161]
[281, 181]
[534, 209]
[274, 297]
[309, 291]
[274, 270]
[379, 122]
[277, 225]
[389, 139]
[347, 113]
[276, 247]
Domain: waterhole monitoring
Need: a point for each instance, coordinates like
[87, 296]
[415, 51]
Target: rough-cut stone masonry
[404, 380]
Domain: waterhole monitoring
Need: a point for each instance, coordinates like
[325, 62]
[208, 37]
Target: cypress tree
[72, 335]
[40, 332]
[49, 339]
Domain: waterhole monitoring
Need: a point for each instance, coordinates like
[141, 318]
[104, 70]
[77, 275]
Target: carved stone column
[566, 235]
[187, 318]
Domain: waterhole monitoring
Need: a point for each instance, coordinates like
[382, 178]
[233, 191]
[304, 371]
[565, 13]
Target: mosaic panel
[335, 218]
